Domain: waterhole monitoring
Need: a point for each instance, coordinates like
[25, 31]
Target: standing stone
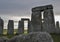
[20, 27]
[30, 27]
[26, 19]
[10, 27]
[36, 20]
[1, 26]
[37, 17]
[57, 24]
[57, 31]
[49, 23]
[22, 20]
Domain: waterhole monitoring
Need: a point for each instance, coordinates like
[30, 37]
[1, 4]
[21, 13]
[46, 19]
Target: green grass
[56, 37]
[5, 31]
[6, 35]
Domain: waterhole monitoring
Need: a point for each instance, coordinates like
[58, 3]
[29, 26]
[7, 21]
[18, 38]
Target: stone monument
[47, 23]
[1, 26]
[10, 27]
[20, 27]
[57, 24]
[36, 20]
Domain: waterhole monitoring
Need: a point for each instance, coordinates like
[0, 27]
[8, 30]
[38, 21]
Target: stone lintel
[24, 19]
[42, 8]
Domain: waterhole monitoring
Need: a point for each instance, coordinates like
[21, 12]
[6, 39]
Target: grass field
[56, 37]
[15, 31]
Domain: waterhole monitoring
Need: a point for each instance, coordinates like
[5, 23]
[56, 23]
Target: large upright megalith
[20, 27]
[57, 24]
[46, 23]
[10, 27]
[49, 23]
[57, 28]
[30, 27]
[36, 20]
[1, 26]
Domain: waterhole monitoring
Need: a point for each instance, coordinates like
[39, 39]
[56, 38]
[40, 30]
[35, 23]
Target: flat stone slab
[3, 39]
[39, 37]
[33, 37]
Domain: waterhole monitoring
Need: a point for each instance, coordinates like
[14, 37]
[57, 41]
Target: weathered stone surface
[33, 37]
[10, 27]
[57, 24]
[39, 37]
[2, 39]
[42, 8]
[19, 38]
[12, 39]
[57, 30]
[36, 21]
[1, 26]
[49, 23]
[30, 27]
[20, 27]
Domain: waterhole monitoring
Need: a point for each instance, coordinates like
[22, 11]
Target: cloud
[15, 9]
[23, 7]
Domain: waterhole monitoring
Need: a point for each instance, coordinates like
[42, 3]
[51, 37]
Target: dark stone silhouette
[10, 27]
[1, 26]
[45, 24]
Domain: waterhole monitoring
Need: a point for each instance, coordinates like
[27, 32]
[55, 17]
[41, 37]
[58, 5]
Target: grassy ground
[5, 31]
[56, 37]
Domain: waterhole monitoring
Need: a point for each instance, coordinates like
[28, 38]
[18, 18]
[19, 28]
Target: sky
[17, 9]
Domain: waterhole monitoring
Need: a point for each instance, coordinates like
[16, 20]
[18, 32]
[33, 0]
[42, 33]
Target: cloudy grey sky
[15, 9]
[23, 7]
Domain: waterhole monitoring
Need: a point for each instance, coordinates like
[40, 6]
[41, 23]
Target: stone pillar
[30, 27]
[1, 26]
[57, 24]
[49, 23]
[57, 31]
[36, 20]
[20, 27]
[10, 27]
[22, 24]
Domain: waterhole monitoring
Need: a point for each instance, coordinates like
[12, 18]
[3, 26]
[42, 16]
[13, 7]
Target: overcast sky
[15, 9]
[23, 7]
